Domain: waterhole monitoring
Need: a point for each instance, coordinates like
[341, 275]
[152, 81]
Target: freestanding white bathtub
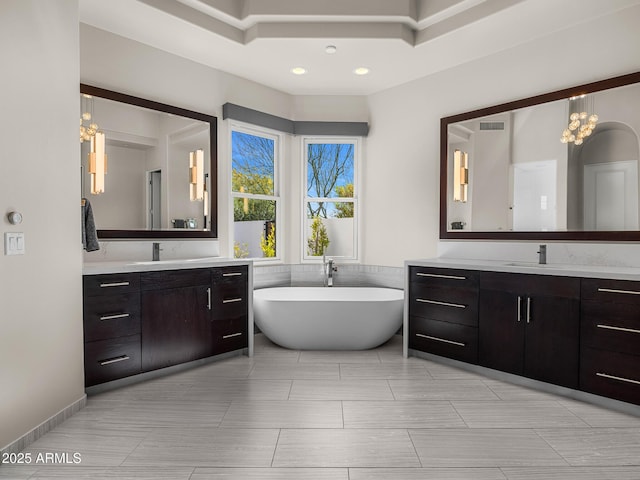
[328, 318]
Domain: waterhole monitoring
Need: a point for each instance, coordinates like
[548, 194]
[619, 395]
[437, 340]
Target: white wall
[403, 147]
[41, 353]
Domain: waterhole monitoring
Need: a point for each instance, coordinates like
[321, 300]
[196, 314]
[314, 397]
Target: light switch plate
[14, 243]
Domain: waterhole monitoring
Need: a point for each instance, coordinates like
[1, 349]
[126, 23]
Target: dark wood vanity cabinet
[610, 339]
[443, 312]
[176, 309]
[529, 325]
[111, 318]
[230, 308]
[139, 322]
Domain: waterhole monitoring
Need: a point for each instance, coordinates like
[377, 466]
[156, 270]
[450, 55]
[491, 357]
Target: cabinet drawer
[229, 335]
[112, 283]
[611, 326]
[609, 291]
[106, 360]
[615, 375]
[228, 300]
[233, 274]
[449, 304]
[110, 316]
[443, 277]
[526, 284]
[443, 338]
[175, 279]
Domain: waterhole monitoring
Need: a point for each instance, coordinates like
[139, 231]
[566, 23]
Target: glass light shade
[86, 116]
[574, 116]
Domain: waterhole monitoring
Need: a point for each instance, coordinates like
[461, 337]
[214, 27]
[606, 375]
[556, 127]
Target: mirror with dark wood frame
[150, 147]
[557, 166]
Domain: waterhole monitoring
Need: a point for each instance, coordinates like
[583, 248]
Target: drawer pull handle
[115, 316]
[622, 379]
[232, 274]
[121, 358]
[444, 304]
[232, 300]
[209, 298]
[224, 337]
[615, 290]
[621, 329]
[436, 275]
[114, 284]
[440, 339]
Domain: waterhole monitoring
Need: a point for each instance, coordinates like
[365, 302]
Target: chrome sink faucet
[155, 252]
[542, 255]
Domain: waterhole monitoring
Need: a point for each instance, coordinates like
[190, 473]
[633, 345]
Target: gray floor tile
[345, 448]
[95, 449]
[284, 414]
[400, 414]
[386, 371]
[340, 390]
[357, 356]
[596, 446]
[426, 474]
[599, 416]
[573, 473]
[161, 413]
[270, 474]
[502, 414]
[431, 389]
[288, 371]
[120, 473]
[230, 389]
[206, 448]
[511, 392]
[483, 448]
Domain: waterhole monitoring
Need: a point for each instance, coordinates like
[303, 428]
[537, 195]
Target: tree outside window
[330, 201]
[255, 193]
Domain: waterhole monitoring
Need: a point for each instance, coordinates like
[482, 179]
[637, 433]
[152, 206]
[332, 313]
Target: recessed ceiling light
[361, 71]
[298, 70]
[331, 49]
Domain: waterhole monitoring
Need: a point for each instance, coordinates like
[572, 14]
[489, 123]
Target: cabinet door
[551, 351]
[501, 332]
[176, 326]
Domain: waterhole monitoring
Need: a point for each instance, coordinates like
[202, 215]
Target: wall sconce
[97, 163]
[196, 175]
[460, 175]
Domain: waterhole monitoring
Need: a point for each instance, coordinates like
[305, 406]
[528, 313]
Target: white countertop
[125, 266]
[510, 266]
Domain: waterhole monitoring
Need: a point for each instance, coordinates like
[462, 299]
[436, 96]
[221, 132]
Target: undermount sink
[530, 265]
[166, 262]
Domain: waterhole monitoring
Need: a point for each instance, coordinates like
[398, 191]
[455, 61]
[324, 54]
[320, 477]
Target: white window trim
[357, 227]
[278, 182]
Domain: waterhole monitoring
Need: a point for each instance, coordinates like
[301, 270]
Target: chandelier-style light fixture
[581, 122]
[88, 127]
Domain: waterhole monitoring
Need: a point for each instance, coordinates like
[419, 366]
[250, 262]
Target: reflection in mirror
[161, 170]
[562, 165]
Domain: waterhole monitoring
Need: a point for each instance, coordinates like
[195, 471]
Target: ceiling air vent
[491, 125]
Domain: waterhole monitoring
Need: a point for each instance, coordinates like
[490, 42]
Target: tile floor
[368, 415]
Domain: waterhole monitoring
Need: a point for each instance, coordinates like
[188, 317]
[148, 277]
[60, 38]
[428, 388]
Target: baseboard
[610, 403]
[49, 424]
